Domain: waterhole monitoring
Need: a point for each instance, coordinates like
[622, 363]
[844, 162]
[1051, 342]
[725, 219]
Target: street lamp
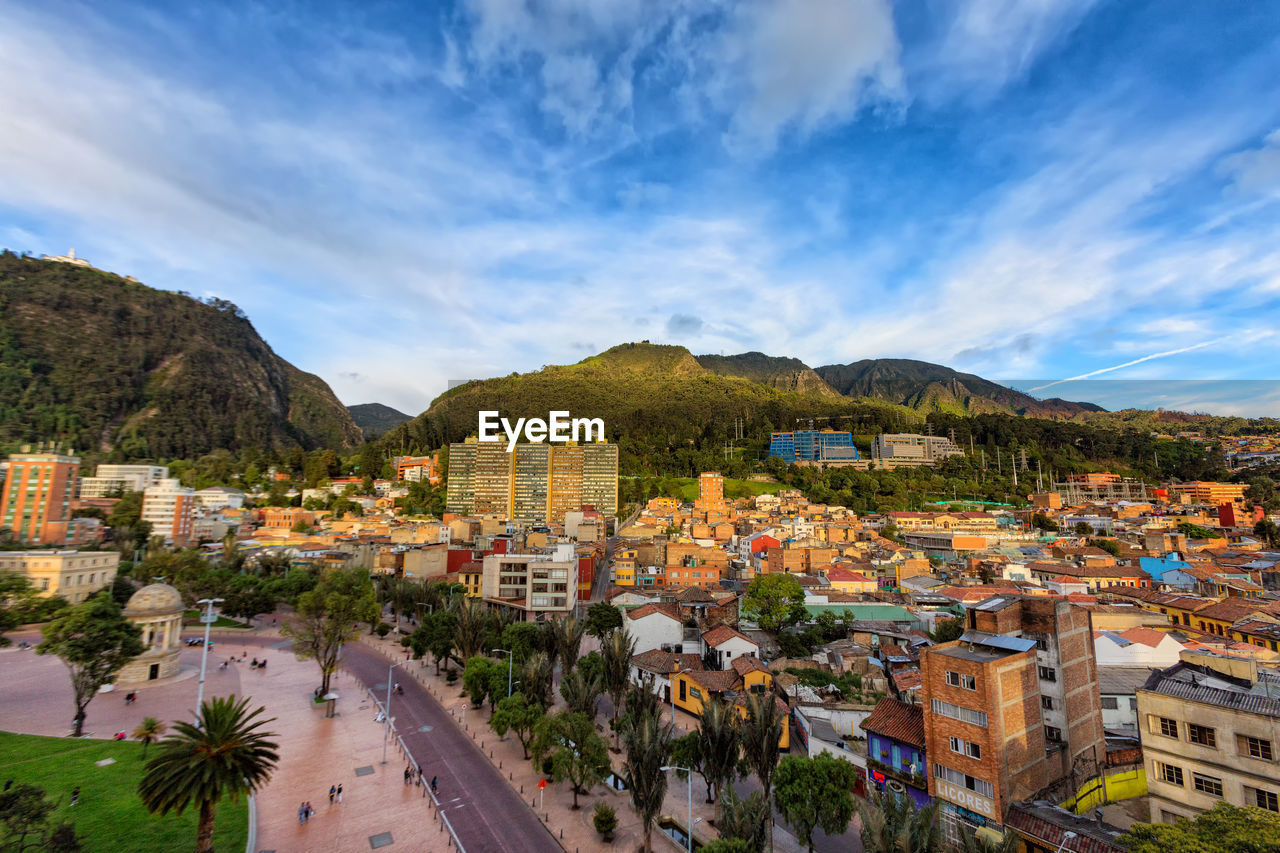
[688, 829]
[386, 712]
[207, 618]
[1066, 836]
[510, 662]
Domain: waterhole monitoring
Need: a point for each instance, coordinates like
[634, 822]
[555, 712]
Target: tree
[774, 602]
[1225, 828]
[516, 714]
[94, 640]
[761, 731]
[476, 679]
[471, 628]
[815, 792]
[591, 665]
[566, 635]
[535, 679]
[328, 616]
[891, 823]
[617, 652]
[728, 845]
[24, 816]
[647, 744]
[436, 635]
[686, 751]
[602, 617]
[121, 590]
[1040, 521]
[1195, 531]
[745, 820]
[580, 693]
[226, 756]
[1109, 545]
[720, 745]
[149, 731]
[971, 842]
[946, 630]
[523, 639]
[577, 753]
[1268, 532]
[605, 820]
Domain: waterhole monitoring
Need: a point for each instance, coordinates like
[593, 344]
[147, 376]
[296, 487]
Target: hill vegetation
[99, 363]
[374, 419]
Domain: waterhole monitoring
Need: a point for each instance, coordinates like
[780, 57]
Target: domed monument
[157, 609]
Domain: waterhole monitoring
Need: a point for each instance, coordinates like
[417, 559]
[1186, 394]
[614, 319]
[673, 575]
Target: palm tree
[617, 652]
[566, 635]
[535, 679]
[744, 819]
[719, 740]
[581, 693]
[473, 626]
[149, 731]
[227, 755]
[648, 746]
[761, 730]
[891, 824]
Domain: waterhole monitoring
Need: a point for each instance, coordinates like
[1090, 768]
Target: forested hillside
[99, 363]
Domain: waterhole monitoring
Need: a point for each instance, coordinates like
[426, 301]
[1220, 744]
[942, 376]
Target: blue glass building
[812, 446]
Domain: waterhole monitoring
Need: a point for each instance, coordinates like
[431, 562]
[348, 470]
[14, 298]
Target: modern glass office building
[812, 446]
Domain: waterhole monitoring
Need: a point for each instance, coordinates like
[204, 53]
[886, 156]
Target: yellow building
[535, 483]
[691, 687]
[1203, 492]
[470, 577]
[74, 575]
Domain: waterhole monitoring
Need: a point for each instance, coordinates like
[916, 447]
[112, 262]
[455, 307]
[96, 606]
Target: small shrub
[451, 676]
[605, 820]
[383, 629]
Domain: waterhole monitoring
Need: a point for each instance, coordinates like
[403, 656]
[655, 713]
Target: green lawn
[733, 489]
[109, 816]
[191, 618]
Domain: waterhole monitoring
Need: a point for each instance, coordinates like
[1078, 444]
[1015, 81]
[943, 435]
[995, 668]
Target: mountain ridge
[107, 364]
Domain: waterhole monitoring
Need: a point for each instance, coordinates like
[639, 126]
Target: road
[485, 812]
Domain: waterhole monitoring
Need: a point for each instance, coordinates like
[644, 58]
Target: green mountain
[375, 419]
[927, 387]
[103, 363]
[656, 401]
[789, 374]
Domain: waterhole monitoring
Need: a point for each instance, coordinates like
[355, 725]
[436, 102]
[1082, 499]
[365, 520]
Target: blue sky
[403, 194]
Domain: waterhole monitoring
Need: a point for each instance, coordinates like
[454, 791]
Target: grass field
[733, 489]
[192, 618]
[109, 816]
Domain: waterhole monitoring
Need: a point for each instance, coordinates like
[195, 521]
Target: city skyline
[402, 196]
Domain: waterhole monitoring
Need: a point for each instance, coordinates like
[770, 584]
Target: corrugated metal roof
[1246, 702]
[997, 641]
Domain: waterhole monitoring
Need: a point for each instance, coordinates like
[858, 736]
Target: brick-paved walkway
[315, 751]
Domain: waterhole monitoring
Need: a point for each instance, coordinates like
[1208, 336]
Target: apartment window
[1046, 702]
[955, 777]
[1207, 784]
[955, 712]
[959, 679]
[1048, 673]
[1163, 726]
[1262, 799]
[1052, 734]
[1202, 735]
[1109, 703]
[1254, 747]
[1042, 644]
[960, 746]
[1169, 773]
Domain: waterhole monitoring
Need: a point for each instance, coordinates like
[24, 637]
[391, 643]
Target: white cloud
[1257, 171]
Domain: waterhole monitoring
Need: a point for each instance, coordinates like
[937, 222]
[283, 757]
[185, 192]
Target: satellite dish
[896, 786]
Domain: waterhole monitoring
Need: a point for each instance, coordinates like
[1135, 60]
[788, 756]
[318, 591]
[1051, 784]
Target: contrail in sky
[1128, 364]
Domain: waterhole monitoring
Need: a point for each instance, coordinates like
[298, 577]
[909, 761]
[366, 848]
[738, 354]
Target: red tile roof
[901, 721]
[743, 664]
[723, 633]
[667, 610]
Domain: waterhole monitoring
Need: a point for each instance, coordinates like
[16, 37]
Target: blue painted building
[1168, 571]
[812, 446]
[895, 749]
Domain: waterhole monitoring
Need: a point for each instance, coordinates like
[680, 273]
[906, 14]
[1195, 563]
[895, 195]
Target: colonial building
[157, 609]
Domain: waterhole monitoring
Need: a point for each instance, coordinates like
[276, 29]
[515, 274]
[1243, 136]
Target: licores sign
[558, 428]
[964, 797]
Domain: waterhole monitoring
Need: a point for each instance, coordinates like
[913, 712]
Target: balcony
[902, 774]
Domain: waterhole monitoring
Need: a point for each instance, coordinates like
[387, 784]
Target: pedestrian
[310, 811]
[262, 664]
[339, 792]
[302, 812]
[407, 774]
[253, 664]
[75, 795]
[433, 784]
[333, 792]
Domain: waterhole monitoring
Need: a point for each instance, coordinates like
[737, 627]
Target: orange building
[36, 500]
[710, 493]
[1202, 492]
